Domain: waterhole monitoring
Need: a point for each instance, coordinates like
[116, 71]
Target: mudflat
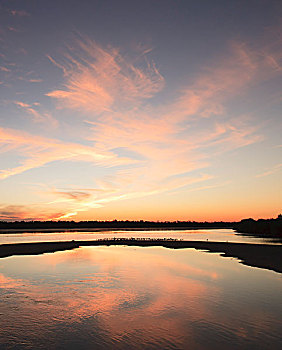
[256, 255]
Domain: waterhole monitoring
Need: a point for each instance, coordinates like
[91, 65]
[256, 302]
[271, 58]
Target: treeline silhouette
[114, 224]
[265, 227]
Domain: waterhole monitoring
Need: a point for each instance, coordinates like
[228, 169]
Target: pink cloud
[27, 212]
[170, 140]
[35, 80]
[37, 116]
[272, 170]
[20, 13]
[38, 151]
[121, 189]
[162, 143]
[13, 29]
[5, 69]
[100, 79]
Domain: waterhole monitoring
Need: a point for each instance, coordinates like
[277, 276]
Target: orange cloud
[155, 146]
[37, 117]
[100, 79]
[165, 142]
[122, 192]
[38, 151]
[73, 195]
[27, 212]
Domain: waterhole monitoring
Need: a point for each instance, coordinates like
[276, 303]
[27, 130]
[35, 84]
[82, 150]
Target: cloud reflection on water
[125, 297]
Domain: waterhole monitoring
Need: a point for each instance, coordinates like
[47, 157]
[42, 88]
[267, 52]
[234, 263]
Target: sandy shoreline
[256, 255]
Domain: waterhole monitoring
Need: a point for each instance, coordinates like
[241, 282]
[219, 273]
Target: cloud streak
[23, 212]
[37, 116]
[20, 13]
[270, 171]
[151, 147]
[38, 151]
[100, 79]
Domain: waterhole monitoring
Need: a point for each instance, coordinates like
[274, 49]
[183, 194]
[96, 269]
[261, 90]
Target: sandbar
[257, 255]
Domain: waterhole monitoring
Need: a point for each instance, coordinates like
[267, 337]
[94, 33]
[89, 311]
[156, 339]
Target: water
[137, 298]
[218, 235]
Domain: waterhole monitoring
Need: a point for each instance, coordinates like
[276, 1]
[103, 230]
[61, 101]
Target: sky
[153, 110]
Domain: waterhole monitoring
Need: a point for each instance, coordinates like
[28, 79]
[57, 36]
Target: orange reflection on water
[126, 294]
[121, 295]
[7, 282]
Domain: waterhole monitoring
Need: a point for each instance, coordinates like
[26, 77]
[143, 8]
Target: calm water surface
[137, 298]
[220, 235]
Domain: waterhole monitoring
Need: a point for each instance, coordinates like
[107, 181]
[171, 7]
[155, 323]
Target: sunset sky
[130, 109]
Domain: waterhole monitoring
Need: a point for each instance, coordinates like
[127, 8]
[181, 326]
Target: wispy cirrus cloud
[240, 69]
[73, 195]
[25, 212]
[157, 146]
[20, 13]
[205, 97]
[99, 197]
[73, 200]
[167, 141]
[98, 79]
[76, 194]
[5, 69]
[271, 170]
[37, 151]
[37, 116]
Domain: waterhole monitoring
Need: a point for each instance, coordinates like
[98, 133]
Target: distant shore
[256, 255]
[270, 228]
[109, 225]
[105, 229]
